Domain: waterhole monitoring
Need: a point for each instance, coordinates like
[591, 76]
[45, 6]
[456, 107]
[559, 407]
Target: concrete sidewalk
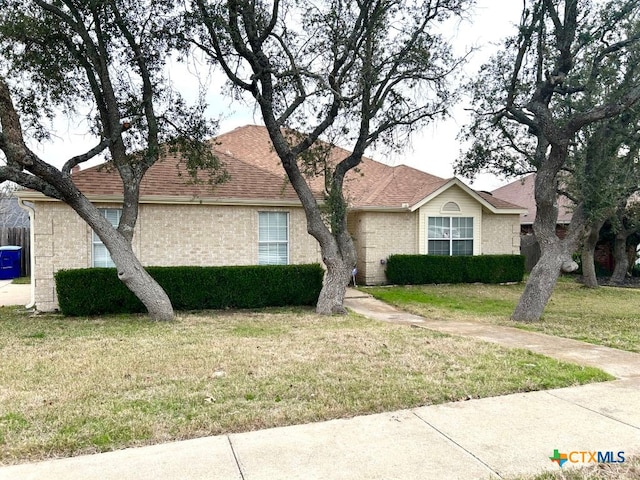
[11, 294]
[479, 439]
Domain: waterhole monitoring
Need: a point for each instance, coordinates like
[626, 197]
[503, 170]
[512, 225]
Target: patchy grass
[21, 281]
[604, 316]
[73, 386]
[629, 470]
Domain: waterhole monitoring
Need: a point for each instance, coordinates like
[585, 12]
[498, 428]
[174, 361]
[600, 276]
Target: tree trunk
[621, 259]
[632, 254]
[130, 270]
[555, 254]
[588, 255]
[142, 285]
[334, 287]
[339, 256]
[541, 283]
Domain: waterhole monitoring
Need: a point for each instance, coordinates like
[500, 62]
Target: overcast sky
[433, 150]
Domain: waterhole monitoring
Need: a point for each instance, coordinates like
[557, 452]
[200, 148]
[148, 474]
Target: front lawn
[82, 385]
[604, 316]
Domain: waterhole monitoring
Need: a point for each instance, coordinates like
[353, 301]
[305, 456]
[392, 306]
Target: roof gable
[495, 205]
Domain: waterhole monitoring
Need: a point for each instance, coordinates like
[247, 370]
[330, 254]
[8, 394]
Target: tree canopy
[573, 64]
[106, 61]
[350, 73]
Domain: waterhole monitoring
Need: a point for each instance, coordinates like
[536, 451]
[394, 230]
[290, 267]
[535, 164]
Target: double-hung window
[450, 236]
[101, 256]
[273, 238]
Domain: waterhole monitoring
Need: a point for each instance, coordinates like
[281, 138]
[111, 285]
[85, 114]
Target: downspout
[32, 257]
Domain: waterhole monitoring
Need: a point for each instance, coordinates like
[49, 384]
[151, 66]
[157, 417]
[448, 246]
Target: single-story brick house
[255, 216]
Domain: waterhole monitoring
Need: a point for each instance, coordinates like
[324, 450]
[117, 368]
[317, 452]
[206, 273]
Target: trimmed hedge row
[96, 291]
[425, 269]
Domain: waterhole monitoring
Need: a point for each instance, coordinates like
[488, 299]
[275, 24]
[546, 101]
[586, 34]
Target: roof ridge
[284, 177]
[230, 154]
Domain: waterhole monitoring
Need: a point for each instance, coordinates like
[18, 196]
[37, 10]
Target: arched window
[451, 207]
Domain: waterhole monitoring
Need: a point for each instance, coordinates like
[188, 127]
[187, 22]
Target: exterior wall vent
[451, 207]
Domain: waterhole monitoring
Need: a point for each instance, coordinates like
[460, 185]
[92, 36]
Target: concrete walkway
[11, 294]
[479, 439]
[619, 363]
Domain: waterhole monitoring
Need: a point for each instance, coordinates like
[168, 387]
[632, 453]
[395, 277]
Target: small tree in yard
[572, 65]
[350, 72]
[106, 58]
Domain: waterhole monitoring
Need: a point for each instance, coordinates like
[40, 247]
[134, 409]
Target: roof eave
[372, 208]
[173, 200]
[509, 211]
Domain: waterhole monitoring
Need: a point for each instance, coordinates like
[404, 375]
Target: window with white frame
[273, 238]
[101, 256]
[450, 236]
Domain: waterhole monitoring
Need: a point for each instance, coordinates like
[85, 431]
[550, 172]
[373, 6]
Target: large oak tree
[574, 63]
[358, 73]
[105, 59]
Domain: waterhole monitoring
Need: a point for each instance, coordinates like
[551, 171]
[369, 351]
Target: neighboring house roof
[256, 175]
[521, 192]
[11, 215]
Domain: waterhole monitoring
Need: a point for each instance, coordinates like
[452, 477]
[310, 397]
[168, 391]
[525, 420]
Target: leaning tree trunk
[130, 270]
[339, 256]
[621, 259]
[142, 285]
[589, 276]
[555, 253]
[542, 280]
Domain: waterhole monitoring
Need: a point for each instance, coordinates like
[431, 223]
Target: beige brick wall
[378, 235]
[501, 234]
[166, 235]
[214, 235]
[60, 241]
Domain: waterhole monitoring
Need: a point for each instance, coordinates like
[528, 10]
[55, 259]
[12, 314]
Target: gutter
[178, 200]
[32, 258]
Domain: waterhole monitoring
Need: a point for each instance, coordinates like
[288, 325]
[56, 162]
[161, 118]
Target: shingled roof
[256, 174]
[169, 178]
[522, 192]
[372, 184]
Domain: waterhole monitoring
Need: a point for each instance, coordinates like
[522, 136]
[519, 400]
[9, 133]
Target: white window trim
[451, 239]
[288, 241]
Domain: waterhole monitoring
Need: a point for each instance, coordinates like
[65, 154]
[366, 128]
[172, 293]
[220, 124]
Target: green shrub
[95, 291]
[425, 269]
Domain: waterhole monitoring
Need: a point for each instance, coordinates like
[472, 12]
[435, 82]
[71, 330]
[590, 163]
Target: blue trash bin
[10, 256]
